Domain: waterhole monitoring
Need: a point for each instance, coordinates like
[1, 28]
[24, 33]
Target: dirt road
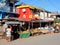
[36, 40]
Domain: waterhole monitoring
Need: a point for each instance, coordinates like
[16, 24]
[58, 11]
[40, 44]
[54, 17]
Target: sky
[49, 5]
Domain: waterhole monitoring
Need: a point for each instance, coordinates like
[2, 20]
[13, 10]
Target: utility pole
[11, 4]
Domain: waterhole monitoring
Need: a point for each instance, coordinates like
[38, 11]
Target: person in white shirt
[8, 33]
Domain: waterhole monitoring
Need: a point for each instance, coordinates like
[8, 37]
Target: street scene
[24, 22]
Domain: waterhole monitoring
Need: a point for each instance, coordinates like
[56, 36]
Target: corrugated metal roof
[32, 7]
[8, 12]
[12, 22]
[40, 21]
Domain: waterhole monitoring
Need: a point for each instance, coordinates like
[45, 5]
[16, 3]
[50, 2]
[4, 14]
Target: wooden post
[32, 28]
[29, 25]
[40, 24]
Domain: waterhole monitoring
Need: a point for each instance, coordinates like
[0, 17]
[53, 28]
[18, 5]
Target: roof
[24, 6]
[12, 22]
[19, 19]
[13, 19]
[8, 12]
[55, 13]
[40, 21]
[32, 7]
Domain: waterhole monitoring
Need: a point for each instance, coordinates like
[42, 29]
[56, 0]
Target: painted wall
[25, 13]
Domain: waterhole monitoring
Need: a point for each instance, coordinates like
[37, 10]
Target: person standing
[8, 33]
[4, 30]
[57, 28]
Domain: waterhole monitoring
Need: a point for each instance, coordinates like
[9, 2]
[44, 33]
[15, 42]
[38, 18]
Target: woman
[8, 33]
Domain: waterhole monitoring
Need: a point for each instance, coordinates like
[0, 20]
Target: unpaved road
[36, 40]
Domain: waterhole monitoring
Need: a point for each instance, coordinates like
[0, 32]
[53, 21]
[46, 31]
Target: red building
[24, 12]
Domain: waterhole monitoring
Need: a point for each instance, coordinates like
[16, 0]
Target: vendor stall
[25, 34]
[40, 28]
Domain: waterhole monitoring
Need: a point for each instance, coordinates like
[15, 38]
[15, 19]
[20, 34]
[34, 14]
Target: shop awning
[41, 21]
[9, 13]
[12, 22]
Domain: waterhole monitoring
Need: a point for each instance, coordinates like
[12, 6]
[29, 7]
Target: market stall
[42, 28]
[24, 29]
[24, 34]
